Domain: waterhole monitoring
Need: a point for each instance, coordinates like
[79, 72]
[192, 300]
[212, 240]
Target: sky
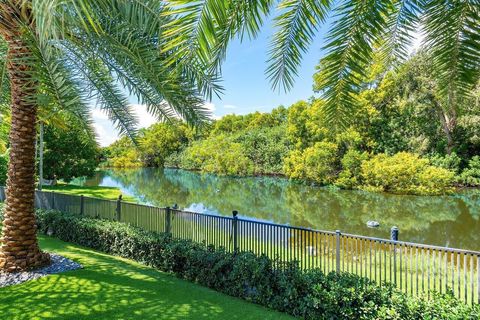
[246, 86]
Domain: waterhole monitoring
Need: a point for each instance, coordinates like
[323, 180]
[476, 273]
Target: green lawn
[114, 288]
[109, 193]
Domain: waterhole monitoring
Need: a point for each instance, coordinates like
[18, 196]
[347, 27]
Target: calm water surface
[452, 221]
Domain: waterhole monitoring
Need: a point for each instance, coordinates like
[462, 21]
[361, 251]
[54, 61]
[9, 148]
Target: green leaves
[296, 26]
[358, 26]
[452, 31]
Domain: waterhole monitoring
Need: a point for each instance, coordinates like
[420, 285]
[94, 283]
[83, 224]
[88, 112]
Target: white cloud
[145, 119]
[106, 132]
[99, 114]
[230, 106]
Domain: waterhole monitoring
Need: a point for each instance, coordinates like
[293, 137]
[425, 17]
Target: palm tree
[59, 56]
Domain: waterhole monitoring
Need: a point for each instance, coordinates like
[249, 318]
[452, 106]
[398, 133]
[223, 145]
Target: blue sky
[246, 87]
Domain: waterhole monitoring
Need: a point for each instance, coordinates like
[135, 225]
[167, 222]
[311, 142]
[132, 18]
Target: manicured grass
[114, 288]
[109, 193]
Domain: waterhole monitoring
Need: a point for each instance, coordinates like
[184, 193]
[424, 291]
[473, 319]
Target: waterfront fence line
[413, 268]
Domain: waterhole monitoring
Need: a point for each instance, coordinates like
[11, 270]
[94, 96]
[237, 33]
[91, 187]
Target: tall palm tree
[62, 55]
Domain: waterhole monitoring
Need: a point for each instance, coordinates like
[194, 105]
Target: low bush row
[306, 294]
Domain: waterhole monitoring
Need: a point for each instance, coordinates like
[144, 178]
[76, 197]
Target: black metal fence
[413, 268]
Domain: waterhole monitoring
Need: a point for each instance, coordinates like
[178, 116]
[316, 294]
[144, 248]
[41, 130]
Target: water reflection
[448, 221]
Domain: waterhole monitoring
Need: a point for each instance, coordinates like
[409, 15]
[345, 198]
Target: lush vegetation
[109, 287]
[307, 294]
[399, 140]
[3, 168]
[69, 152]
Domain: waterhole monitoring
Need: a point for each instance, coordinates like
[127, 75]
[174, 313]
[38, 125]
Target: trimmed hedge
[307, 294]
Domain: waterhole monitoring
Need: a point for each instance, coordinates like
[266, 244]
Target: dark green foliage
[69, 153]
[3, 168]
[471, 175]
[306, 294]
[266, 148]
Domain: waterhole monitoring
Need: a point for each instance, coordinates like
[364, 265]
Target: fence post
[235, 230]
[394, 237]
[82, 205]
[119, 207]
[53, 200]
[337, 250]
[394, 233]
[168, 220]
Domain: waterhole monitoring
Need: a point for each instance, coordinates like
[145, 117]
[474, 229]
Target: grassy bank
[110, 193]
[114, 288]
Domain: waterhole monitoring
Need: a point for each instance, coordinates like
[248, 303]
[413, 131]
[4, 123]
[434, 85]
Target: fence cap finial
[120, 197]
[234, 213]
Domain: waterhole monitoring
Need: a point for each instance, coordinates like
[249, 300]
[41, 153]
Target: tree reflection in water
[445, 220]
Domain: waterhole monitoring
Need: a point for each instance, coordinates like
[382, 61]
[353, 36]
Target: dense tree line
[70, 150]
[402, 138]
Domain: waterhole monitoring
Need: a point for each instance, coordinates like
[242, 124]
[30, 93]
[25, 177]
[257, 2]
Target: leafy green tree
[69, 153]
[122, 153]
[266, 148]
[3, 168]
[161, 140]
[217, 154]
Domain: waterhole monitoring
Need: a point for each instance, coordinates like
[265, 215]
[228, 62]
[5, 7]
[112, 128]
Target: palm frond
[297, 25]
[403, 24]
[358, 26]
[103, 89]
[452, 30]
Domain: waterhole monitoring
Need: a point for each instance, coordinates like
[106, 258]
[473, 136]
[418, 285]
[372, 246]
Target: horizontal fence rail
[413, 268]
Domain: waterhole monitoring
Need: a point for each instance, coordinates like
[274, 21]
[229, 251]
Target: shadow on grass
[114, 288]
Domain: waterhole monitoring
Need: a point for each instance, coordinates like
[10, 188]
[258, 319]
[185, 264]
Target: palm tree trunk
[19, 250]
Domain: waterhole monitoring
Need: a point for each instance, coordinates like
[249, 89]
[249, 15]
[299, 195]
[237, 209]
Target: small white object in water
[373, 224]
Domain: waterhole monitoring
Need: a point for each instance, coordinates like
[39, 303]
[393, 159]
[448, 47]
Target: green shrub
[471, 175]
[350, 176]
[217, 155]
[314, 164]
[405, 173]
[450, 161]
[307, 294]
[3, 169]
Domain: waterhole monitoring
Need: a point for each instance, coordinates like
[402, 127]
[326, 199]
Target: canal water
[452, 221]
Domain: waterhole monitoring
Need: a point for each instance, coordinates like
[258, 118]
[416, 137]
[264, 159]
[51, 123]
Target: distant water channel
[452, 221]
